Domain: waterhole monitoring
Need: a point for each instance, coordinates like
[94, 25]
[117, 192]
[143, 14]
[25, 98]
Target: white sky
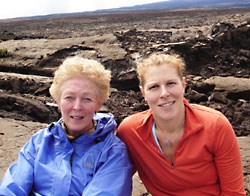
[22, 8]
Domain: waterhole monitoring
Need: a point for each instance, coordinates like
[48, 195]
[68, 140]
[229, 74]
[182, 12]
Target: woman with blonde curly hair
[79, 154]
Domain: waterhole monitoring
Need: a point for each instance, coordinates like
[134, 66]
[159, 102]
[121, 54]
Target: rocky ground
[215, 44]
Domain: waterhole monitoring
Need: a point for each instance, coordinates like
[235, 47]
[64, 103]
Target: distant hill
[184, 4]
[164, 5]
[176, 4]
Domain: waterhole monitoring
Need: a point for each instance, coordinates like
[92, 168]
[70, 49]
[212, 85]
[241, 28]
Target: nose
[77, 105]
[164, 92]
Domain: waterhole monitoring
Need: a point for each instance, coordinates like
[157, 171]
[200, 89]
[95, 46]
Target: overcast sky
[22, 8]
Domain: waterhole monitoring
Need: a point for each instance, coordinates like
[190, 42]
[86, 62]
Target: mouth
[77, 117]
[168, 104]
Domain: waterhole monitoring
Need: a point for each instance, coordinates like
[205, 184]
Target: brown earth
[215, 44]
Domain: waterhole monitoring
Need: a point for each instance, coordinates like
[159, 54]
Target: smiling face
[164, 91]
[78, 103]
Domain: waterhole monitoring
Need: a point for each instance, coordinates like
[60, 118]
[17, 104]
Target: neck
[92, 128]
[72, 135]
[171, 126]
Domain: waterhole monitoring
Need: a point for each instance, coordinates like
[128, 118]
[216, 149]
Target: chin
[169, 116]
[77, 130]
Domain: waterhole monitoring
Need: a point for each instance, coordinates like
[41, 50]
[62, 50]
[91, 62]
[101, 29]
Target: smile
[167, 104]
[77, 117]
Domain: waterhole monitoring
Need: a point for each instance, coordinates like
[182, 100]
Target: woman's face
[78, 103]
[164, 91]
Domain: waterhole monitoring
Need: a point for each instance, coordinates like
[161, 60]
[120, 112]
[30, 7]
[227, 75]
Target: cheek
[64, 107]
[151, 97]
[89, 109]
[179, 92]
[94, 108]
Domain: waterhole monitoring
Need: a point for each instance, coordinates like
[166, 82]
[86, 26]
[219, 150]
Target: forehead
[163, 69]
[78, 85]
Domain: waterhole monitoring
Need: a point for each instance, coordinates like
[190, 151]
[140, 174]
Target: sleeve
[114, 176]
[228, 159]
[123, 135]
[18, 179]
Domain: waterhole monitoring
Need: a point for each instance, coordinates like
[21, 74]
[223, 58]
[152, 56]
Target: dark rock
[209, 48]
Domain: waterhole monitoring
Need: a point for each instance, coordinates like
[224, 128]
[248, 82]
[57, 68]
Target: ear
[142, 91]
[58, 106]
[98, 105]
[183, 81]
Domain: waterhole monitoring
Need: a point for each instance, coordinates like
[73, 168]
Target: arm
[18, 179]
[114, 176]
[228, 159]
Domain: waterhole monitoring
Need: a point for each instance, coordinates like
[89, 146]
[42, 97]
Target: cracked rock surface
[215, 44]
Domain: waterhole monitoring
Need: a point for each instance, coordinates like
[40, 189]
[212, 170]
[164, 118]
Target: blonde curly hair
[77, 66]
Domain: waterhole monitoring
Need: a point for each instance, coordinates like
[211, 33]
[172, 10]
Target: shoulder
[135, 119]
[103, 115]
[46, 133]
[105, 119]
[134, 125]
[41, 133]
[37, 141]
[117, 142]
[113, 146]
[205, 110]
[208, 115]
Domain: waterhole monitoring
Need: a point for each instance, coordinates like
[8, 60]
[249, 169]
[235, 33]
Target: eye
[69, 98]
[87, 99]
[153, 87]
[171, 83]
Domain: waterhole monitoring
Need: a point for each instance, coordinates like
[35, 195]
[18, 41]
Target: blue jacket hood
[105, 125]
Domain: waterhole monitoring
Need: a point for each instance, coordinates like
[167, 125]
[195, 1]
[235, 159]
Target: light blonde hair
[74, 67]
[160, 59]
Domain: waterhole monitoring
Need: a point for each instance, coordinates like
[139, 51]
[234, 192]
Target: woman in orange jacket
[180, 148]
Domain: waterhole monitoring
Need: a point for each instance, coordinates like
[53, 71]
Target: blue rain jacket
[93, 164]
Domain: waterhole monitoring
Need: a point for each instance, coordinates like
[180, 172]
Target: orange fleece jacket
[207, 159]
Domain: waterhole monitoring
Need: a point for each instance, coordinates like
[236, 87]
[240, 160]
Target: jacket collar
[193, 123]
[105, 125]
